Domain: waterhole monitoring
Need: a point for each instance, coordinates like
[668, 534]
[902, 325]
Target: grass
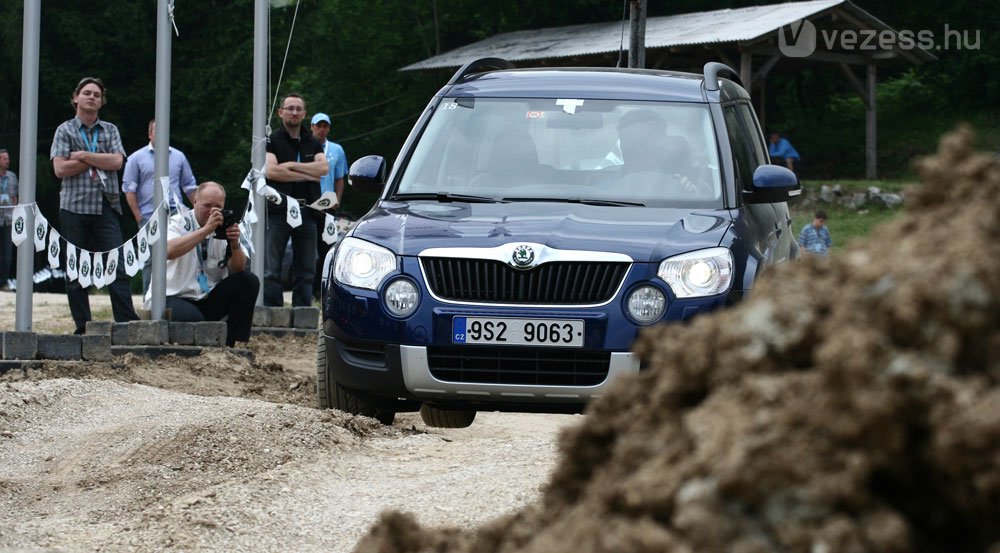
[847, 225]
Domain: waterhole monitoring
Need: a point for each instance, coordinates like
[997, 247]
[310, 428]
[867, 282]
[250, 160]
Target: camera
[229, 219]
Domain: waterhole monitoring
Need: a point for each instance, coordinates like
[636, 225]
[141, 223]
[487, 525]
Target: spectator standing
[782, 152]
[87, 154]
[207, 277]
[815, 238]
[138, 180]
[295, 164]
[8, 199]
[332, 181]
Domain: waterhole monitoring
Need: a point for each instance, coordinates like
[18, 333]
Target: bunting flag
[111, 268]
[326, 201]
[72, 262]
[54, 249]
[132, 264]
[97, 278]
[85, 267]
[153, 229]
[164, 189]
[249, 181]
[19, 226]
[294, 216]
[143, 245]
[41, 228]
[250, 216]
[246, 237]
[330, 229]
[269, 194]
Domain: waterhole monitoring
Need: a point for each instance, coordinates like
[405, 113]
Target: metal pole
[257, 150]
[161, 145]
[637, 34]
[871, 126]
[29, 152]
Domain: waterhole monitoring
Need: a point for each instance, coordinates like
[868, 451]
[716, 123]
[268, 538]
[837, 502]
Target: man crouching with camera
[208, 277]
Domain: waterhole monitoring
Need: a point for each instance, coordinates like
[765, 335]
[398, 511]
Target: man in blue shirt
[138, 180]
[815, 238]
[332, 181]
[782, 152]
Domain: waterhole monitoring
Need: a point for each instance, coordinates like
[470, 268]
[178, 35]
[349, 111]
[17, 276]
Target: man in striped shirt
[815, 238]
[87, 154]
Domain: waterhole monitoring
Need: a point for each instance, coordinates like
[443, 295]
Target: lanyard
[91, 146]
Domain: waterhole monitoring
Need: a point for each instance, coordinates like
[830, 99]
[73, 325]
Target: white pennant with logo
[132, 264]
[250, 216]
[111, 268]
[72, 262]
[142, 244]
[19, 226]
[54, 249]
[86, 266]
[294, 217]
[330, 229]
[98, 269]
[153, 229]
[41, 228]
[246, 237]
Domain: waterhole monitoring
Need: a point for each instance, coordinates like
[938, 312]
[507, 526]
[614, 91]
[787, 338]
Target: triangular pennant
[132, 264]
[153, 229]
[326, 201]
[41, 229]
[111, 268]
[72, 263]
[19, 226]
[246, 238]
[97, 278]
[142, 245]
[294, 216]
[54, 249]
[86, 266]
[270, 194]
[250, 216]
[329, 229]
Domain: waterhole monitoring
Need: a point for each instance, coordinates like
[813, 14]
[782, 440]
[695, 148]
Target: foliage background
[345, 55]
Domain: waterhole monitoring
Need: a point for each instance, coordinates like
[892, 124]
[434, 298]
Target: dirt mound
[851, 405]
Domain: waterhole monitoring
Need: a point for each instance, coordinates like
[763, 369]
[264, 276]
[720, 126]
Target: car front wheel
[331, 395]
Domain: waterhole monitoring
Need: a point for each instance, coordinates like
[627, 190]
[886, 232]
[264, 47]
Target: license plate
[518, 332]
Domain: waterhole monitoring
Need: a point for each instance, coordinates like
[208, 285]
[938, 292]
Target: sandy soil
[222, 452]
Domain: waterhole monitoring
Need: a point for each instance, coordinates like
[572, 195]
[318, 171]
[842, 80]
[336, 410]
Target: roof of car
[587, 83]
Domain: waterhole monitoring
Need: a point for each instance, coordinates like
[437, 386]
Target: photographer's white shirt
[182, 272]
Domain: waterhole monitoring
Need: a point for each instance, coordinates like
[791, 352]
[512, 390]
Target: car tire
[331, 395]
[446, 418]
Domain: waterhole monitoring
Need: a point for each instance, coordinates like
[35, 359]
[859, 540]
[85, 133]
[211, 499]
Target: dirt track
[224, 453]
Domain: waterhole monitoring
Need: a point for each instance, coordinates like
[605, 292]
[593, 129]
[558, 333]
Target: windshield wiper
[447, 197]
[585, 201]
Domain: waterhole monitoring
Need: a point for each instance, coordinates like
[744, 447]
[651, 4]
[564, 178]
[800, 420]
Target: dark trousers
[7, 249]
[96, 233]
[303, 258]
[234, 297]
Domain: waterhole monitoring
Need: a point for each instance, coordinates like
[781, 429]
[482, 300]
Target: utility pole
[637, 34]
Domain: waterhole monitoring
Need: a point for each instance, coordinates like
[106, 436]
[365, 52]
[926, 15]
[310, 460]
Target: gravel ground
[223, 453]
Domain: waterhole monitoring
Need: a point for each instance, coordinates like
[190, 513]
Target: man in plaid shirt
[87, 154]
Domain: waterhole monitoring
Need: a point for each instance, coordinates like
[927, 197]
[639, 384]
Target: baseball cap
[321, 117]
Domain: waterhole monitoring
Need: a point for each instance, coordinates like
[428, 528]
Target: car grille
[491, 281]
[519, 366]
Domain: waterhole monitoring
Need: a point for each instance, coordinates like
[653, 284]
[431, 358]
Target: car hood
[643, 233]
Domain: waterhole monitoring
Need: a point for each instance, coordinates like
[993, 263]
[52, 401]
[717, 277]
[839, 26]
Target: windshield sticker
[569, 106]
[535, 115]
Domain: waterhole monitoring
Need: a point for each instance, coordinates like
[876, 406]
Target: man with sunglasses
[295, 165]
[87, 154]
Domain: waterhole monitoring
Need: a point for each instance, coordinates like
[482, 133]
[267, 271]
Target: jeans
[234, 298]
[7, 249]
[96, 233]
[303, 258]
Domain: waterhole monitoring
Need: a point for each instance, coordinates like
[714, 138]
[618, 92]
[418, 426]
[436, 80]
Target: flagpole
[259, 134]
[161, 150]
[29, 152]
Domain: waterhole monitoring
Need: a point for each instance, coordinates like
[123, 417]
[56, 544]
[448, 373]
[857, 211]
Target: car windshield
[601, 151]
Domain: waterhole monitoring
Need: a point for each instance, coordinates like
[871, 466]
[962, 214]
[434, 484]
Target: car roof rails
[478, 66]
[712, 70]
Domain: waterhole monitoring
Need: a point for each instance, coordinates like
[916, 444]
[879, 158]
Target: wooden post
[871, 150]
[637, 35]
[762, 109]
[745, 70]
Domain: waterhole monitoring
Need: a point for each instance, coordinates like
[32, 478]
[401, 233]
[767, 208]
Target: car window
[742, 160]
[753, 135]
[658, 154]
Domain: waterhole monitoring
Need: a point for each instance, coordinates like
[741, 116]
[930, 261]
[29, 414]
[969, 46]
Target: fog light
[646, 304]
[401, 297]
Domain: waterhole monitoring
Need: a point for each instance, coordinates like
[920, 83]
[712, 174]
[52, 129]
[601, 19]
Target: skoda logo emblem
[129, 258]
[523, 256]
[71, 262]
[40, 231]
[19, 225]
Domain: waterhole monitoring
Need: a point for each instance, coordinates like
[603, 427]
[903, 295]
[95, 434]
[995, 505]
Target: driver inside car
[647, 148]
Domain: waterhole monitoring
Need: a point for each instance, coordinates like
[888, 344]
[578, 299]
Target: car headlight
[700, 273]
[646, 304]
[362, 264]
[401, 297]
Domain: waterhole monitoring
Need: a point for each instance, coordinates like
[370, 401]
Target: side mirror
[773, 184]
[368, 174]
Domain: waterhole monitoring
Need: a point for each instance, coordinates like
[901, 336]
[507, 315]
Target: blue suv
[534, 222]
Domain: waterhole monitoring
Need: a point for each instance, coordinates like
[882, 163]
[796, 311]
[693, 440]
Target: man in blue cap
[333, 181]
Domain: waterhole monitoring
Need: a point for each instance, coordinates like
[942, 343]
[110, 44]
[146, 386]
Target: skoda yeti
[534, 222]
